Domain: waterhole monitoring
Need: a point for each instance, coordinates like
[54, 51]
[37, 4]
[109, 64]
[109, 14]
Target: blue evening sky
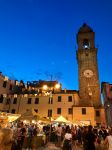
[38, 38]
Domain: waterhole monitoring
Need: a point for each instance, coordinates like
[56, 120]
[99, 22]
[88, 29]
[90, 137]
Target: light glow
[57, 86]
[45, 87]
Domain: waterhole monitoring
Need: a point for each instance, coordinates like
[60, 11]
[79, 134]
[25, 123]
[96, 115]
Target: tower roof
[85, 28]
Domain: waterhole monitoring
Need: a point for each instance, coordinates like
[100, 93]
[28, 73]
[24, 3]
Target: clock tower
[89, 86]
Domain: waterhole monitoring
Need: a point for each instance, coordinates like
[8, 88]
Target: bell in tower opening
[86, 44]
[89, 86]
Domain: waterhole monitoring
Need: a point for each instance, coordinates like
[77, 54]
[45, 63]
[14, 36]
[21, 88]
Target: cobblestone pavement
[51, 146]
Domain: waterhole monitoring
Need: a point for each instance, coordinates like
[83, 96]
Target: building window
[70, 110]
[83, 111]
[13, 111]
[8, 101]
[49, 112]
[58, 110]
[36, 100]
[10, 88]
[36, 110]
[59, 98]
[29, 100]
[15, 101]
[110, 89]
[50, 100]
[4, 84]
[69, 98]
[97, 113]
[1, 98]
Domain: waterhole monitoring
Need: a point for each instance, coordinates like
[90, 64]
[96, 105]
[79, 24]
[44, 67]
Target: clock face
[88, 73]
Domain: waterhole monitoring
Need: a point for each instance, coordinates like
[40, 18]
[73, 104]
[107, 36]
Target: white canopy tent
[13, 117]
[61, 119]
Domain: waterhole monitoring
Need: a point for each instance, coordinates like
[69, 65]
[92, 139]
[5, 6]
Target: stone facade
[89, 86]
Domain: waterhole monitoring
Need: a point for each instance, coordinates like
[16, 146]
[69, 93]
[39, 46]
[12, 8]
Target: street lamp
[57, 86]
[45, 87]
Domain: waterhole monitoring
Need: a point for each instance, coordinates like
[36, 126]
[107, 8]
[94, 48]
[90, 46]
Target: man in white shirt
[59, 134]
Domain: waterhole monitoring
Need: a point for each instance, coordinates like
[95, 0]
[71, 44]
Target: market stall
[29, 116]
[13, 117]
[61, 119]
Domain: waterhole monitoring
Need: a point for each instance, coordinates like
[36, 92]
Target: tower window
[86, 44]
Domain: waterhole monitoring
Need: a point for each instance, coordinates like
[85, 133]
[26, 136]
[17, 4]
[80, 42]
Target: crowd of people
[68, 137]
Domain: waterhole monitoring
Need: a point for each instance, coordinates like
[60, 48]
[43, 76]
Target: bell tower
[89, 86]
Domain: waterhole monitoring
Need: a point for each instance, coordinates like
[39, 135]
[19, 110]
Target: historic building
[49, 100]
[89, 86]
[90, 109]
[106, 90]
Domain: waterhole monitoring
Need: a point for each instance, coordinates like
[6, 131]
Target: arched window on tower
[86, 44]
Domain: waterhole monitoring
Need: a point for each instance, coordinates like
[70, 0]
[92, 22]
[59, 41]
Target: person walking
[67, 145]
[108, 140]
[59, 135]
[90, 139]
